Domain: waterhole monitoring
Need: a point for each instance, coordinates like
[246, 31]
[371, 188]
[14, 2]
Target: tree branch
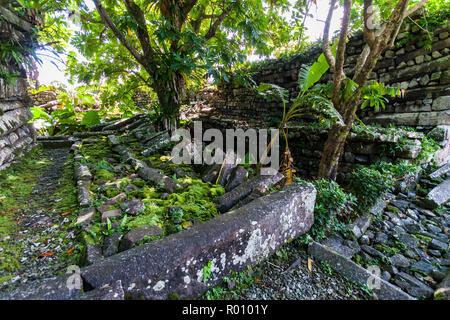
[85, 17]
[141, 31]
[415, 8]
[117, 33]
[340, 53]
[326, 38]
[213, 28]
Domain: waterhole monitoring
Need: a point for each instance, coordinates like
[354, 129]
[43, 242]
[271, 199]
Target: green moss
[390, 251]
[105, 175]
[18, 181]
[174, 296]
[97, 151]
[392, 209]
[422, 238]
[9, 257]
[195, 204]
[111, 192]
[139, 183]
[7, 225]
[5, 278]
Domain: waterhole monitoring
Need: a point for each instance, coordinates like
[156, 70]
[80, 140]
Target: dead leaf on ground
[47, 254]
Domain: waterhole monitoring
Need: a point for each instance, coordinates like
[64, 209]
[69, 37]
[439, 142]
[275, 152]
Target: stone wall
[364, 147]
[423, 73]
[16, 134]
[44, 97]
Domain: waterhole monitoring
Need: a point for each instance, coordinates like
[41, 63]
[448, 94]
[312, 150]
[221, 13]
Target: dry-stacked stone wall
[16, 134]
[423, 72]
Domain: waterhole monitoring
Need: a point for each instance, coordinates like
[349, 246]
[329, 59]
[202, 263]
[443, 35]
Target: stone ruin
[16, 134]
[423, 73]
[252, 227]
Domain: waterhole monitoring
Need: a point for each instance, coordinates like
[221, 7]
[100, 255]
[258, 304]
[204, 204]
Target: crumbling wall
[16, 134]
[423, 73]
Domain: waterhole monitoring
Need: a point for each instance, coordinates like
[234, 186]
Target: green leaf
[309, 76]
[109, 223]
[91, 118]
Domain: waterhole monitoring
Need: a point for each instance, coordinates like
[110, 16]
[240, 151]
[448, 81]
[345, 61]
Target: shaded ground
[286, 276]
[38, 203]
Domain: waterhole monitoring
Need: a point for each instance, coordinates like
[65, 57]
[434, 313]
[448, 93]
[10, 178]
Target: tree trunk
[335, 143]
[170, 95]
[332, 151]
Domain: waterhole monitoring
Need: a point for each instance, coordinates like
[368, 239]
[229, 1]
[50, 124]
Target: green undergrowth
[17, 182]
[95, 150]
[368, 185]
[67, 206]
[175, 212]
[16, 185]
[332, 209]
[232, 286]
[193, 204]
[336, 206]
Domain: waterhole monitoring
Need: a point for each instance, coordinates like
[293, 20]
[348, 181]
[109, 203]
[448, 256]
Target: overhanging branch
[326, 38]
[108, 21]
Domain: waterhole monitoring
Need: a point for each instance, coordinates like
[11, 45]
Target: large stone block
[12, 120]
[439, 195]
[356, 273]
[229, 199]
[176, 264]
[10, 105]
[156, 176]
[441, 103]
[434, 118]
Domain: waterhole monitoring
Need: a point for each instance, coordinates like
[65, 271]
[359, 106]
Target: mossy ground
[39, 187]
[16, 185]
[173, 213]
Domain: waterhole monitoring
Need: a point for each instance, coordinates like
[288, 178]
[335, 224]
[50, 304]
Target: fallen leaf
[20, 221]
[46, 254]
[310, 265]
[65, 213]
[440, 291]
[70, 251]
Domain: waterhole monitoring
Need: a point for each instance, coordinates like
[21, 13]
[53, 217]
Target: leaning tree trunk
[170, 95]
[335, 143]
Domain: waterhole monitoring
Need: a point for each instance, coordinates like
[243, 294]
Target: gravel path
[42, 234]
[287, 277]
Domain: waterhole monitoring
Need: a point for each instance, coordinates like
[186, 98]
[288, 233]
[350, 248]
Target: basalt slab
[242, 237]
[176, 264]
[156, 176]
[229, 199]
[439, 195]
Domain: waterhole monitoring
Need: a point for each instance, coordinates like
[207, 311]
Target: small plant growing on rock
[368, 185]
[332, 208]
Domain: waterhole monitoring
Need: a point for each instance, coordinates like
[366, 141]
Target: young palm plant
[312, 102]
